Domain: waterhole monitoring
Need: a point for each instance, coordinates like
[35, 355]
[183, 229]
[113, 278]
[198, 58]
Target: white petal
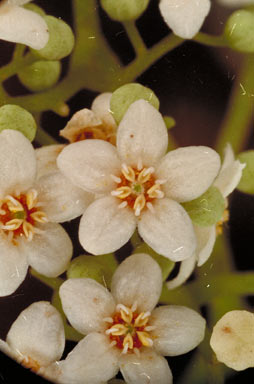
[233, 339]
[185, 17]
[189, 172]
[38, 333]
[18, 2]
[138, 279]
[186, 268]
[168, 230]
[5, 348]
[20, 25]
[17, 162]
[142, 135]
[206, 237]
[13, 266]
[104, 227]
[86, 303]
[148, 368]
[89, 164]
[46, 159]
[49, 253]
[230, 173]
[178, 329]
[62, 201]
[92, 361]
[101, 107]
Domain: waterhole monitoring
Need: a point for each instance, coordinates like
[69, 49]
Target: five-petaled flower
[31, 206]
[123, 329]
[20, 25]
[138, 185]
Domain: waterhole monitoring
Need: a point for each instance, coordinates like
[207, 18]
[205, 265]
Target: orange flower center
[30, 363]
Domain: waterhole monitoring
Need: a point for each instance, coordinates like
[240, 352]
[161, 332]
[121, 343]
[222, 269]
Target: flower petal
[178, 329]
[18, 2]
[46, 159]
[104, 227]
[137, 279]
[185, 17]
[62, 201]
[186, 268]
[142, 135]
[49, 253]
[101, 107]
[38, 333]
[5, 348]
[20, 25]
[206, 237]
[13, 266]
[89, 164]
[168, 230]
[189, 172]
[148, 368]
[86, 303]
[17, 162]
[92, 361]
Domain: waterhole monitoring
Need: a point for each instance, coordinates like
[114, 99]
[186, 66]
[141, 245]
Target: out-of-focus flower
[235, 3]
[233, 339]
[36, 338]
[30, 209]
[139, 186]
[123, 329]
[20, 25]
[226, 181]
[184, 17]
[97, 123]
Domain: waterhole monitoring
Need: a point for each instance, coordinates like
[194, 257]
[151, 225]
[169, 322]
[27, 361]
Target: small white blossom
[227, 180]
[123, 329]
[20, 25]
[30, 208]
[36, 338]
[184, 17]
[139, 185]
[233, 339]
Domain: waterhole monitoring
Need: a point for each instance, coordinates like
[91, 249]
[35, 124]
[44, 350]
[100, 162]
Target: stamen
[125, 349]
[129, 174]
[150, 207]
[160, 181]
[139, 204]
[140, 164]
[134, 306]
[155, 192]
[13, 224]
[28, 230]
[127, 317]
[128, 340]
[108, 319]
[122, 205]
[116, 193]
[39, 216]
[120, 307]
[31, 198]
[116, 179]
[150, 328]
[140, 321]
[145, 175]
[144, 339]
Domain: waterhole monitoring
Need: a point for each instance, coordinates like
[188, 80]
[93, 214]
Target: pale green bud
[61, 40]
[17, 118]
[124, 10]
[207, 209]
[35, 8]
[40, 75]
[239, 31]
[246, 184]
[124, 96]
[86, 267]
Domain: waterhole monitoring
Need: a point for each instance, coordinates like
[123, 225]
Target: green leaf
[17, 118]
[124, 96]
[40, 75]
[239, 30]
[124, 10]
[165, 264]
[207, 209]
[246, 184]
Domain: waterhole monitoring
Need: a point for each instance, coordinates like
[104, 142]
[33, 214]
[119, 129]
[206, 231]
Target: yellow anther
[30, 363]
[28, 230]
[13, 204]
[127, 317]
[145, 339]
[128, 340]
[145, 175]
[122, 192]
[224, 219]
[39, 216]
[139, 204]
[141, 321]
[153, 192]
[31, 198]
[120, 330]
[13, 224]
[128, 173]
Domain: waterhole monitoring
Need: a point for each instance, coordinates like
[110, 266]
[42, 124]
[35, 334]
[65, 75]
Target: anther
[122, 205]
[116, 179]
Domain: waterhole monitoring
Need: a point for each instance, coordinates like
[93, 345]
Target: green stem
[52, 282]
[237, 123]
[14, 66]
[43, 138]
[212, 41]
[18, 52]
[135, 38]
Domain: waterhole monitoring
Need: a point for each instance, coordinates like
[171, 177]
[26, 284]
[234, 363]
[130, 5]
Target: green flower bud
[169, 122]
[35, 8]
[61, 40]
[207, 209]
[246, 184]
[40, 75]
[123, 10]
[124, 96]
[17, 118]
[239, 31]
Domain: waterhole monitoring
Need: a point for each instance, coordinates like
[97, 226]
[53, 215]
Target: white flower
[235, 3]
[19, 25]
[184, 17]
[97, 123]
[233, 339]
[123, 329]
[139, 186]
[29, 210]
[36, 338]
[226, 181]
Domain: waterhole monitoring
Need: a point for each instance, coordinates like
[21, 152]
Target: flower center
[19, 215]
[129, 330]
[30, 363]
[137, 188]
[224, 219]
